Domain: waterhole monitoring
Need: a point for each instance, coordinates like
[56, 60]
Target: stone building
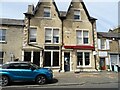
[63, 41]
[11, 33]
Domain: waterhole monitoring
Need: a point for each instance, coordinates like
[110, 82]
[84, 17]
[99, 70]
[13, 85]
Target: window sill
[52, 43]
[49, 18]
[33, 43]
[84, 66]
[3, 42]
[77, 20]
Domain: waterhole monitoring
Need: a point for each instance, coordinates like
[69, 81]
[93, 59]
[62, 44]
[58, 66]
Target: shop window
[27, 56]
[55, 58]
[87, 58]
[47, 60]
[79, 58]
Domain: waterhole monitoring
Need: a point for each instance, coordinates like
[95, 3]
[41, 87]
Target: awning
[82, 47]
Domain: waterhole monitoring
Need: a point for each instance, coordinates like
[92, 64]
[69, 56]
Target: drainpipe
[62, 19]
[93, 24]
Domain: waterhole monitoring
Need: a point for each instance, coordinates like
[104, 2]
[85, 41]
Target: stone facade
[11, 46]
[63, 41]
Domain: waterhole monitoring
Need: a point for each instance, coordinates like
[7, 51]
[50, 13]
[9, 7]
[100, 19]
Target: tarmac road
[73, 80]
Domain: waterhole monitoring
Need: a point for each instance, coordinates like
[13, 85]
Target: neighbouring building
[108, 50]
[11, 33]
[63, 41]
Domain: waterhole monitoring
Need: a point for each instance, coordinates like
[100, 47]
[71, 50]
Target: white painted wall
[103, 53]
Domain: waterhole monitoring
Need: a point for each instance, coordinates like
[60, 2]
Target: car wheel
[5, 80]
[41, 79]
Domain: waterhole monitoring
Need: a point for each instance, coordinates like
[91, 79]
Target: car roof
[17, 62]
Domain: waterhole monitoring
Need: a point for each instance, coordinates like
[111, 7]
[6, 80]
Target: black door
[67, 61]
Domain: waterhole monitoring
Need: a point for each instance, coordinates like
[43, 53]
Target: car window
[5, 66]
[14, 66]
[24, 66]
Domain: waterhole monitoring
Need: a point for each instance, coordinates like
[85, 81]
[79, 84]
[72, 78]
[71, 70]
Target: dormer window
[77, 15]
[47, 12]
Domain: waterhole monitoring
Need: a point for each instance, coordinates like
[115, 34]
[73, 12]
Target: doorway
[102, 64]
[67, 61]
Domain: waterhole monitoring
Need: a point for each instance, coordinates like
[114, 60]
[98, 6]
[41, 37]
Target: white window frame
[52, 58]
[103, 41]
[2, 35]
[82, 31]
[52, 35]
[90, 54]
[45, 11]
[77, 11]
[30, 34]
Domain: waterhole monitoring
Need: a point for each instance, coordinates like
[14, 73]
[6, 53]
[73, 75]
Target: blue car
[24, 71]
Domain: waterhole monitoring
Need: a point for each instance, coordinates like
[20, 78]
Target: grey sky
[105, 11]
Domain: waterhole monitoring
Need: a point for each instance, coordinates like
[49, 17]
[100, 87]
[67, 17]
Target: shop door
[67, 61]
[102, 64]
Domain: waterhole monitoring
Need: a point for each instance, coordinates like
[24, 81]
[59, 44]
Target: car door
[26, 72]
[14, 71]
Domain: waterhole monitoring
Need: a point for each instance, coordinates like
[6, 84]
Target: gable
[39, 9]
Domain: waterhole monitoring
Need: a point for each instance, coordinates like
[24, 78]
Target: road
[73, 80]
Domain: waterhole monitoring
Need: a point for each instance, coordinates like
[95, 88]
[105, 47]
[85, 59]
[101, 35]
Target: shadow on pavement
[32, 82]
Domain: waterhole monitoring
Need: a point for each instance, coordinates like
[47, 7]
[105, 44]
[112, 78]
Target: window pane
[79, 58]
[87, 58]
[56, 36]
[2, 35]
[46, 12]
[77, 14]
[48, 35]
[36, 58]
[79, 37]
[1, 57]
[33, 34]
[85, 40]
[47, 59]
[102, 44]
[85, 35]
[55, 58]
[27, 56]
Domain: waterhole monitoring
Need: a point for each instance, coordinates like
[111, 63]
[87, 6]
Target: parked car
[24, 71]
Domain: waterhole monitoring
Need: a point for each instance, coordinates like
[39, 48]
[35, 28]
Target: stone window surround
[52, 28]
[82, 36]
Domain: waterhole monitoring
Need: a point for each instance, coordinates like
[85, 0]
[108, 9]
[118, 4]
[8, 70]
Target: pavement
[71, 78]
[102, 79]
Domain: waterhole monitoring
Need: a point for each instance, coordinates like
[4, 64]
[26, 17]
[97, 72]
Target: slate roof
[14, 22]
[108, 35]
